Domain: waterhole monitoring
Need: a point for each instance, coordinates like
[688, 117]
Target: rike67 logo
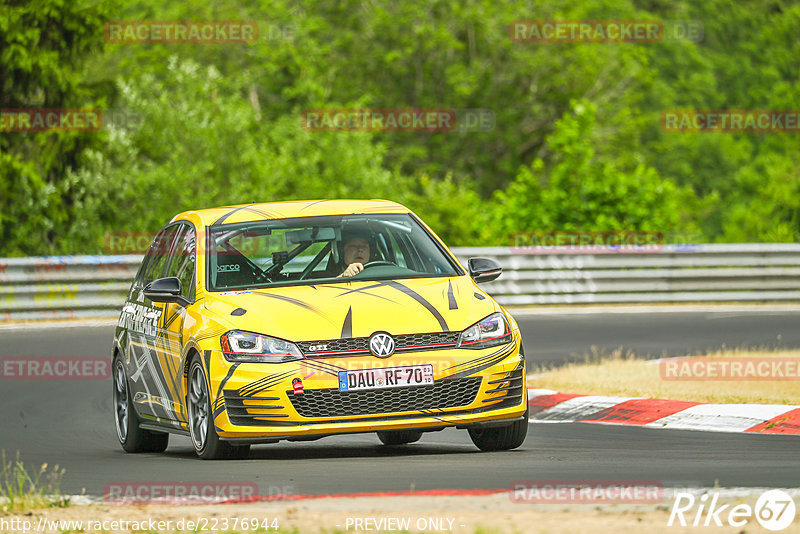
[774, 510]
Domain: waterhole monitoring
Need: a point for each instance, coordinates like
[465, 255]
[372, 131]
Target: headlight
[238, 346]
[488, 332]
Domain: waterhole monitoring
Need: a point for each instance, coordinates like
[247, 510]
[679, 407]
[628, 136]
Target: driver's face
[356, 250]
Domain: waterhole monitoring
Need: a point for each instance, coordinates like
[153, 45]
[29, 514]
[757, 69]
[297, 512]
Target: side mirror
[484, 269]
[166, 290]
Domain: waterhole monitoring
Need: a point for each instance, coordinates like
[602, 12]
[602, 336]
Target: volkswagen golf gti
[299, 320]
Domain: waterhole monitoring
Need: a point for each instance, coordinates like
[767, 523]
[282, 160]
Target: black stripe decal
[222, 219]
[264, 383]
[224, 380]
[451, 298]
[480, 359]
[485, 365]
[416, 296]
[209, 335]
[317, 366]
[347, 327]
[291, 300]
[313, 204]
[363, 290]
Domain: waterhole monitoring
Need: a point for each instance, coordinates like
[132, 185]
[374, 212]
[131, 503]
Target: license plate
[386, 377]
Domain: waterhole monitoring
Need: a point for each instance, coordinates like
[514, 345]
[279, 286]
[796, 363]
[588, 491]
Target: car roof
[283, 210]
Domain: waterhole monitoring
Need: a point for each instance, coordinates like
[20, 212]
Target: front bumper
[471, 387]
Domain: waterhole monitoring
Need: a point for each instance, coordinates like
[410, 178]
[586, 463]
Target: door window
[182, 264]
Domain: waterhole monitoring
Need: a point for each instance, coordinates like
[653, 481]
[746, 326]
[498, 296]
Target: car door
[143, 321]
[170, 340]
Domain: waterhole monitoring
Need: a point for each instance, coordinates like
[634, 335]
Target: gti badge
[381, 344]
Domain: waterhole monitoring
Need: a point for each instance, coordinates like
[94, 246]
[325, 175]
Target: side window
[183, 260]
[158, 255]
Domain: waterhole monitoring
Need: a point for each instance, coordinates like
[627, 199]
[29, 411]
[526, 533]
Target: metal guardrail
[673, 273]
[64, 287]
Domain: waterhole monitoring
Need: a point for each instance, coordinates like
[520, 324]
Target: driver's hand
[352, 269]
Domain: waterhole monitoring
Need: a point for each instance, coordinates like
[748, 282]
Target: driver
[356, 253]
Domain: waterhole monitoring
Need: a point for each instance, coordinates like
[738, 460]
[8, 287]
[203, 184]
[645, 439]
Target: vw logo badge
[381, 344]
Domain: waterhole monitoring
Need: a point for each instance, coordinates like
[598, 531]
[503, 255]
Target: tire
[500, 438]
[399, 437]
[204, 436]
[132, 438]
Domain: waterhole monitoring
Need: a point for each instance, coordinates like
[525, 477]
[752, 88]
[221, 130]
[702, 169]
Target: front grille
[413, 341]
[404, 343]
[252, 410]
[334, 403]
[350, 344]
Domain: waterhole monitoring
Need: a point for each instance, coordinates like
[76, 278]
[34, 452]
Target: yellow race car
[298, 320]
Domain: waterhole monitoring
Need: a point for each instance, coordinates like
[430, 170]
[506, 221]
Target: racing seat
[232, 270]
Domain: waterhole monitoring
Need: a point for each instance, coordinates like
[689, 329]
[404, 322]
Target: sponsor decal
[140, 318]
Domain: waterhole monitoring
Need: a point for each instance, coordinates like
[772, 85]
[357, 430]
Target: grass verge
[699, 379]
[22, 490]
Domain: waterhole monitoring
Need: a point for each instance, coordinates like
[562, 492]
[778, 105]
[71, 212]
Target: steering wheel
[378, 262]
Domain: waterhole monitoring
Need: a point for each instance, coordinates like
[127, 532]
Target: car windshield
[308, 250]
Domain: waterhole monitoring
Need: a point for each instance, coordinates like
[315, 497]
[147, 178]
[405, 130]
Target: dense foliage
[576, 142]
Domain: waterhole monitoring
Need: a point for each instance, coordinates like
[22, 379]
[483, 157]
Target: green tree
[578, 190]
[42, 45]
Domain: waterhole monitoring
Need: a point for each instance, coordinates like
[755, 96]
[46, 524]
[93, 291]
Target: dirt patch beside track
[456, 514]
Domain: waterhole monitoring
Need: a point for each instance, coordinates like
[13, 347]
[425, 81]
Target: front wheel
[500, 438]
[205, 439]
[131, 437]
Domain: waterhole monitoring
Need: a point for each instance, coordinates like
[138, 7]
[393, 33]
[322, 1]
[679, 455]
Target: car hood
[353, 309]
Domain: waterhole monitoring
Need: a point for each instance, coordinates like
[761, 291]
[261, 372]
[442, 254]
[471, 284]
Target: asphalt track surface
[69, 423]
